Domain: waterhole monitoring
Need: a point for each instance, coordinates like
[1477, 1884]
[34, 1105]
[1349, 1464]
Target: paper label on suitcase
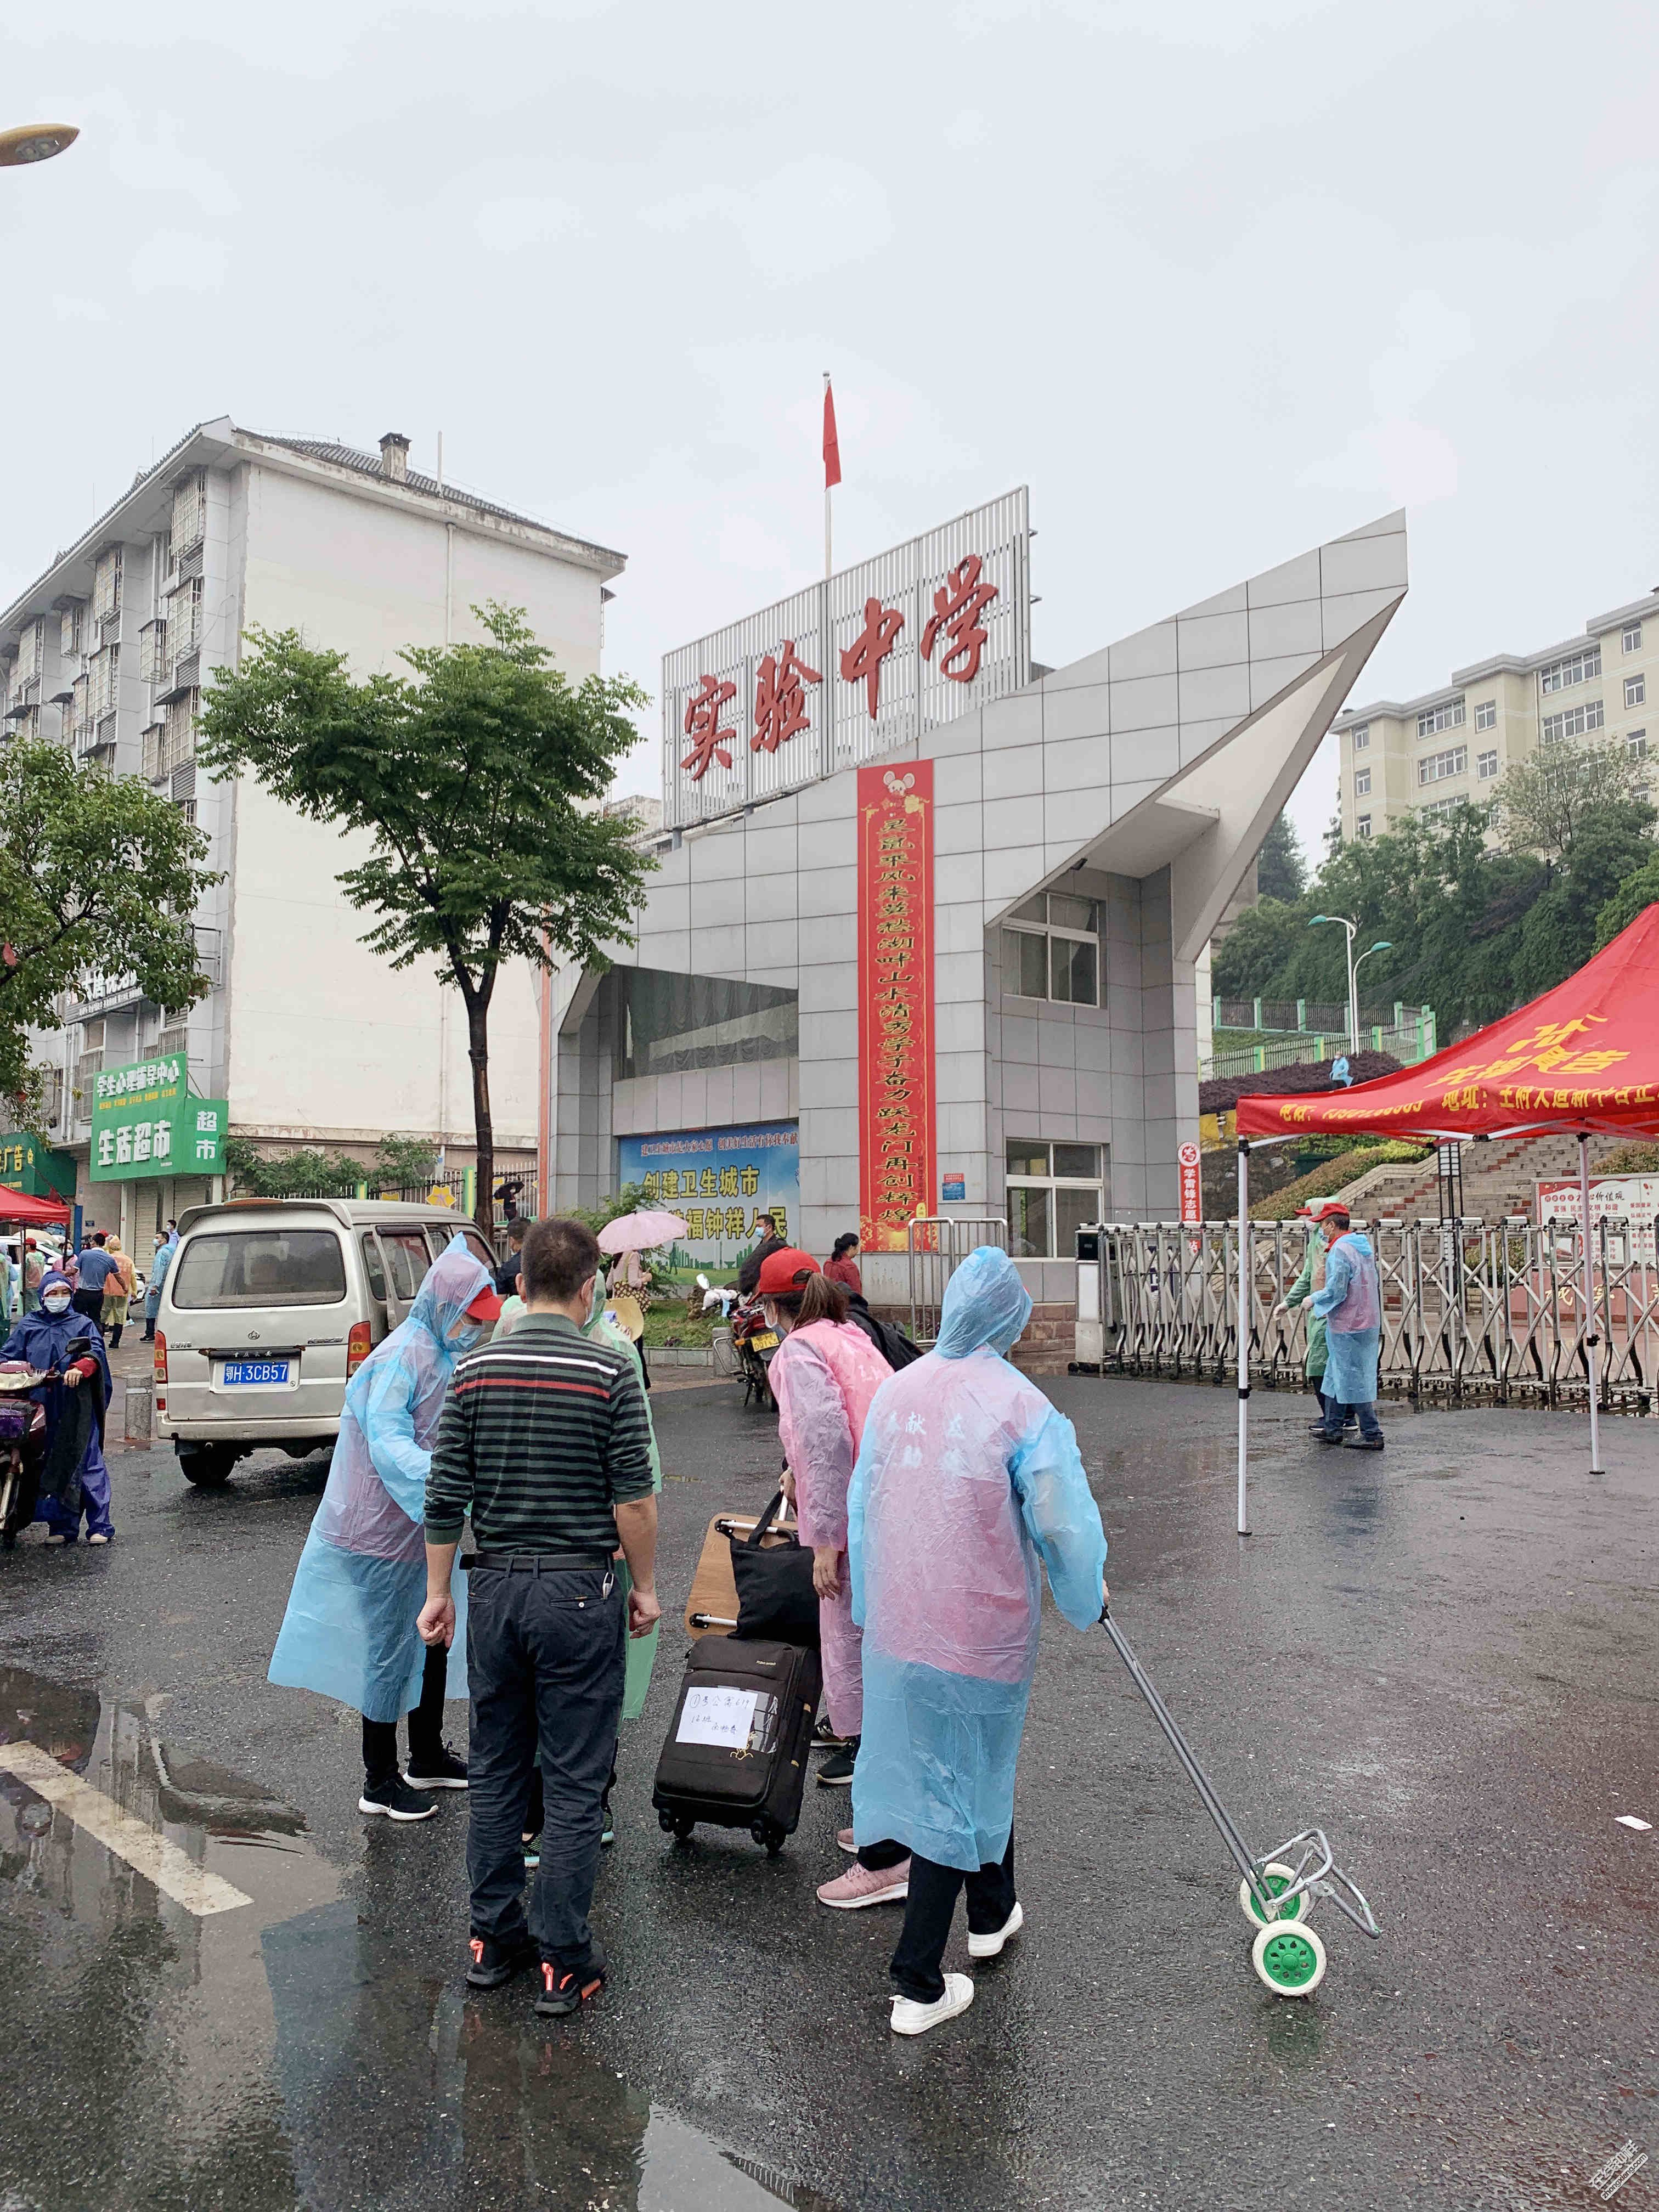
[721, 1717]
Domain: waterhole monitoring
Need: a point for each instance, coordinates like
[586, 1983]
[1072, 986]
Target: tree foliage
[399, 1164]
[1281, 872]
[476, 779]
[1543, 801]
[98, 877]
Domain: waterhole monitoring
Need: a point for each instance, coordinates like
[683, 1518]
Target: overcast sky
[1217, 278]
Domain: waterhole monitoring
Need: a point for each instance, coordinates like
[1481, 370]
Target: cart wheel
[1290, 1959]
[683, 1831]
[1274, 1877]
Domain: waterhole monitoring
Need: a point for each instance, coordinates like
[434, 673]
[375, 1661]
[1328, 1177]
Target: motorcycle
[20, 1418]
[755, 1342]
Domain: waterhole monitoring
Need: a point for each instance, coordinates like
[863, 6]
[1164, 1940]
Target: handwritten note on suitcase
[717, 1717]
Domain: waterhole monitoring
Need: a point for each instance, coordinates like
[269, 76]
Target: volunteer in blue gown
[349, 1629]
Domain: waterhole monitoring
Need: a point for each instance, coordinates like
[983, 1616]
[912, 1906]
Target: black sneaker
[1363, 1443]
[494, 1963]
[564, 1991]
[438, 1770]
[825, 1739]
[396, 1800]
[836, 1773]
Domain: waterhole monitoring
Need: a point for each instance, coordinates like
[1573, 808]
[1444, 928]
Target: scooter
[755, 1342]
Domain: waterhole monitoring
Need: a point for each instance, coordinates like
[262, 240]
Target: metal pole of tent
[1590, 1337]
[1243, 1334]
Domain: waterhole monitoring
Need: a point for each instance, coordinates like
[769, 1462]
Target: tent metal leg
[1591, 1340]
[1243, 1334]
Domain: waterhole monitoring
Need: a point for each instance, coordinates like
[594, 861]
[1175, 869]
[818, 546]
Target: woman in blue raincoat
[1351, 1304]
[349, 1629]
[72, 1477]
[968, 1485]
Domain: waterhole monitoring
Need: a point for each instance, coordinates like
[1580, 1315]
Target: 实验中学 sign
[147, 1123]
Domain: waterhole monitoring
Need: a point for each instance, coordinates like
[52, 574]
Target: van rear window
[259, 1268]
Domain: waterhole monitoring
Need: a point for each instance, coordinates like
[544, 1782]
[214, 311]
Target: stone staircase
[1498, 1179]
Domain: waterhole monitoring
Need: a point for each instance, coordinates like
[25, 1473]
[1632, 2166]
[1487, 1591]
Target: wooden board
[714, 1592]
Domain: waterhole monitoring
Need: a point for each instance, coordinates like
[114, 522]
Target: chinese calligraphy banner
[726, 1185]
[896, 1119]
[849, 668]
[1583, 1056]
[147, 1122]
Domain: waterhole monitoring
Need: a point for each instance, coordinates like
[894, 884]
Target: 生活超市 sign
[147, 1122]
[897, 1118]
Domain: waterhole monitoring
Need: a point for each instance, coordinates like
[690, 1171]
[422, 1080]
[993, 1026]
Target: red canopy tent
[17, 1206]
[1584, 1057]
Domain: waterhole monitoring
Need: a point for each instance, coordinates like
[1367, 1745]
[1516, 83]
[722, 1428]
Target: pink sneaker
[862, 1885]
[844, 1838]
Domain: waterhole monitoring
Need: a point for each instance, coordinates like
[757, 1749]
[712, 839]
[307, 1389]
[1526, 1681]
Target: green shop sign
[147, 1123]
[28, 1165]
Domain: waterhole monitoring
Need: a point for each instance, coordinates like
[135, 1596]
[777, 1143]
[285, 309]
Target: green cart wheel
[1274, 1877]
[1289, 1958]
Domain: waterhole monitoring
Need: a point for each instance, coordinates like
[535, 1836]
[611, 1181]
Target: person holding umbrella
[624, 1240]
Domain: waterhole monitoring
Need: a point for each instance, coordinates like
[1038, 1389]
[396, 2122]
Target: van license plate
[252, 1373]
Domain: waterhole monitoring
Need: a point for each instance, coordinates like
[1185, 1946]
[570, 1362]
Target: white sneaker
[990, 1946]
[910, 2018]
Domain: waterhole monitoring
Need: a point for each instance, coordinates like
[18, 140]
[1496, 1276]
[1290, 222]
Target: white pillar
[1243, 1334]
[1591, 1338]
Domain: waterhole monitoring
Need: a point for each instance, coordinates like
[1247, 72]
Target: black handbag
[775, 1597]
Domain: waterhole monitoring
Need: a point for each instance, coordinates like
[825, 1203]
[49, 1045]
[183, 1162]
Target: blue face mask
[466, 1333]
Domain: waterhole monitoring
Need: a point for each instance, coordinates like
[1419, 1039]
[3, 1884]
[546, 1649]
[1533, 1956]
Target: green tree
[1281, 872]
[97, 877]
[1543, 798]
[476, 782]
[1639, 890]
[1611, 846]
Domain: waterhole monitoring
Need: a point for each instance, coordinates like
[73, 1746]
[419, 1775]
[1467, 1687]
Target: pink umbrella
[641, 1232]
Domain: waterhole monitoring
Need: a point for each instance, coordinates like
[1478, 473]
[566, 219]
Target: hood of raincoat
[452, 1283]
[44, 1339]
[986, 1303]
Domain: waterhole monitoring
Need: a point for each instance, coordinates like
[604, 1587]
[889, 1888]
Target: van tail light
[161, 1360]
[359, 1342]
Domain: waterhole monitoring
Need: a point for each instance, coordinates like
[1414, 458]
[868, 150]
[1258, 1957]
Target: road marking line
[162, 1863]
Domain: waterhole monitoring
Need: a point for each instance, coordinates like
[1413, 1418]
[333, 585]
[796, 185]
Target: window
[1052, 949]
[1435, 768]
[1437, 809]
[259, 1268]
[1362, 783]
[374, 1272]
[68, 628]
[1636, 744]
[667, 1024]
[1052, 1189]
[407, 1260]
[1485, 714]
[153, 652]
[189, 525]
[1361, 734]
[1572, 723]
[1635, 690]
[1577, 668]
[1485, 764]
[104, 670]
[184, 620]
[29, 643]
[1631, 640]
[107, 585]
[1363, 827]
[1449, 715]
[179, 716]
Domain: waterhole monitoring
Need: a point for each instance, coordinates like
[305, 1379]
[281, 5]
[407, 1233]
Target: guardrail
[1486, 1312]
[936, 1245]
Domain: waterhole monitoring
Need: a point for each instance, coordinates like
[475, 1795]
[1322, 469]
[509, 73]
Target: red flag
[832, 447]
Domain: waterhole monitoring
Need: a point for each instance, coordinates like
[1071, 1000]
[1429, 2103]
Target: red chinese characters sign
[896, 1140]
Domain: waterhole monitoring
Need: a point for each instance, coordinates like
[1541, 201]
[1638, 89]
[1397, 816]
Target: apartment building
[309, 1035]
[1426, 755]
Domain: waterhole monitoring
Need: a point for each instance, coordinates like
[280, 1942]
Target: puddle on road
[288, 2050]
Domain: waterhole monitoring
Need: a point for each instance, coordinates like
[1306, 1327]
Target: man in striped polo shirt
[545, 1445]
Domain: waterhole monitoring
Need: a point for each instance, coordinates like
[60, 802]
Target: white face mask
[56, 1302]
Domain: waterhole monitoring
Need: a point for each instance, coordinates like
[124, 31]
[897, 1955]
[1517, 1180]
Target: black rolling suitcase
[737, 1750]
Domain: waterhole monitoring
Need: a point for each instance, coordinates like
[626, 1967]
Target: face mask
[465, 1333]
[56, 1302]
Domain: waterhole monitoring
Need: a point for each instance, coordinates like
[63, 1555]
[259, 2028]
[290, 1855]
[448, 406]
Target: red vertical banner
[897, 1173]
[1192, 1183]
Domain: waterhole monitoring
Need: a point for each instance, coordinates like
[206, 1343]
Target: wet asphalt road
[1443, 1654]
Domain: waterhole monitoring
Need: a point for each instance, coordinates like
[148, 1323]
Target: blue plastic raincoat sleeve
[1062, 1517]
[857, 1491]
[1337, 1269]
[386, 1416]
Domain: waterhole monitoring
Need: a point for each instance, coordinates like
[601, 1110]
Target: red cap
[779, 1271]
[487, 1306]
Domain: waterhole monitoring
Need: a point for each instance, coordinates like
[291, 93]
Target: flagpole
[826, 499]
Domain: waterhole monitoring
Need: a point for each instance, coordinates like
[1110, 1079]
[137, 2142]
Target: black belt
[537, 1562]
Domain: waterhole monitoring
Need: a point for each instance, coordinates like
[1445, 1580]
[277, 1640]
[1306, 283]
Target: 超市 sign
[146, 1121]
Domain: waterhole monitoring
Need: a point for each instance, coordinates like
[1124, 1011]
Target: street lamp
[1354, 1009]
[1381, 946]
[35, 142]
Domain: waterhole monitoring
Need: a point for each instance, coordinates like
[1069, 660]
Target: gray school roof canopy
[1144, 776]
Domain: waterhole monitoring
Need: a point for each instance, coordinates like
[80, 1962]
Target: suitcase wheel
[769, 1833]
[676, 1825]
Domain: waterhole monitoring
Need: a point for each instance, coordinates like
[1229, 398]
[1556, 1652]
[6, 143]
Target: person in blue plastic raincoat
[65, 1474]
[968, 1485]
[641, 1650]
[349, 1629]
[1351, 1304]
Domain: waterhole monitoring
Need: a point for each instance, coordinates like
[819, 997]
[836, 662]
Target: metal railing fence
[1473, 1311]
[936, 1245]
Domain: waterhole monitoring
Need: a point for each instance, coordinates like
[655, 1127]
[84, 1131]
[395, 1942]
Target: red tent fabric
[1583, 1056]
[17, 1205]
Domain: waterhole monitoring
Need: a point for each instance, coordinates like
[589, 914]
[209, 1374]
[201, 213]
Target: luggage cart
[1277, 1890]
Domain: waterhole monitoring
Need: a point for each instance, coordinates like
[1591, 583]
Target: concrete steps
[1498, 1179]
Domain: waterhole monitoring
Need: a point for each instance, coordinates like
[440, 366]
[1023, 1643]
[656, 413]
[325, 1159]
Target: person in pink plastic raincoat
[969, 1484]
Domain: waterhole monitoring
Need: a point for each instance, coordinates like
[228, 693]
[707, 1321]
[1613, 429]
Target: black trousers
[929, 1909]
[546, 1655]
[426, 1723]
[90, 1303]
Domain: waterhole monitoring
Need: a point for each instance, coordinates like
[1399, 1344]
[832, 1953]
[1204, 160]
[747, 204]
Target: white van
[271, 1305]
